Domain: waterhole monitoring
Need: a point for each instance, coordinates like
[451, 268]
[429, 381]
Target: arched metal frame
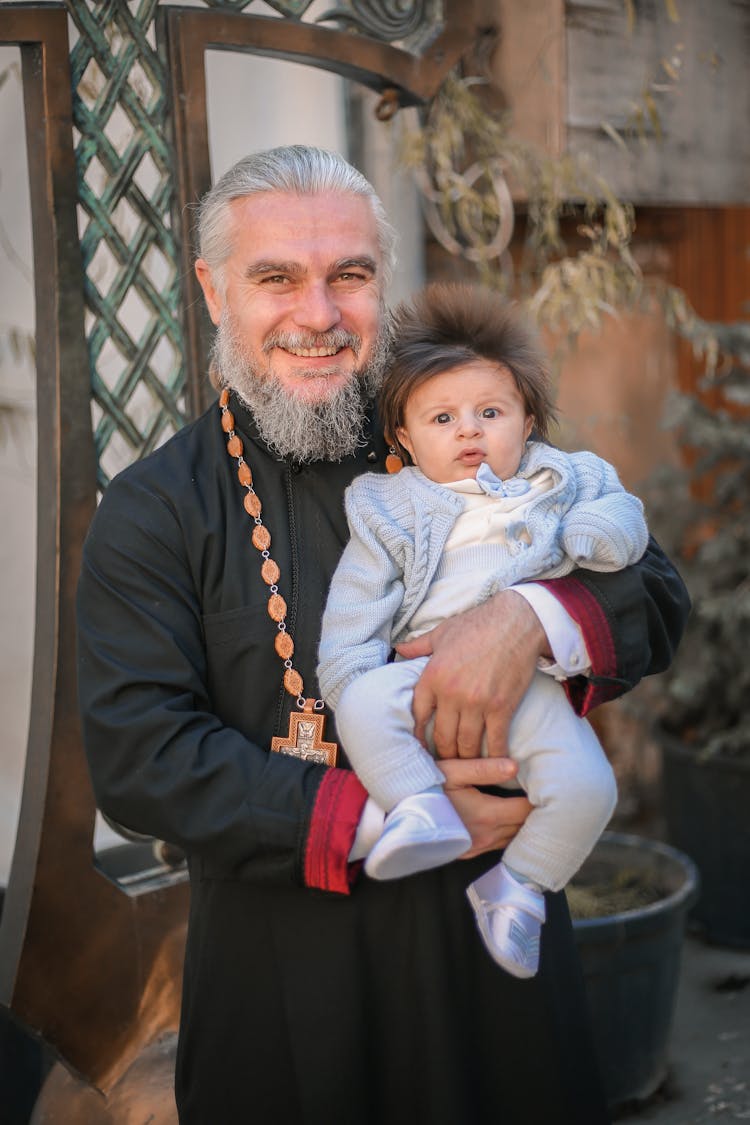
[59, 907]
[187, 33]
[90, 965]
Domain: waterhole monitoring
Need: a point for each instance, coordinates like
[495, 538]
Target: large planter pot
[631, 964]
[706, 803]
[24, 1064]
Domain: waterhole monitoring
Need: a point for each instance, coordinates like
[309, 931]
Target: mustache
[335, 338]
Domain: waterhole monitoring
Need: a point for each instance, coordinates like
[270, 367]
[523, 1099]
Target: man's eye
[350, 279]
[276, 279]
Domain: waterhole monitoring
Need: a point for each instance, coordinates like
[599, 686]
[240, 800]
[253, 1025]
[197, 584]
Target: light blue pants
[561, 765]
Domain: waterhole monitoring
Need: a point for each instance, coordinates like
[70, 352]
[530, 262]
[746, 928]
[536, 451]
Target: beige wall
[17, 457]
[612, 392]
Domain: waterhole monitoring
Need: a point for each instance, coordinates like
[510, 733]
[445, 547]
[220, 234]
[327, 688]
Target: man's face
[301, 289]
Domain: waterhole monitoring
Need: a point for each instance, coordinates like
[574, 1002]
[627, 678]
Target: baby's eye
[490, 412]
[441, 419]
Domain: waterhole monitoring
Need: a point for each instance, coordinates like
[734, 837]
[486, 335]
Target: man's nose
[317, 308]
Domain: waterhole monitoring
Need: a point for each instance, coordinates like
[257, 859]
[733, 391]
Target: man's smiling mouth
[312, 353]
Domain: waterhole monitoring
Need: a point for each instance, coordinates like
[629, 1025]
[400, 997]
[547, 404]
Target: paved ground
[709, 1078]
[709, 1075]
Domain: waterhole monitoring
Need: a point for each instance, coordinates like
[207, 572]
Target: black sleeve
[161, 761]
[646, 607]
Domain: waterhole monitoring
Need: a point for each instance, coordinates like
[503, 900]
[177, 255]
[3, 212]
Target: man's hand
[482, 662]
[492, 822]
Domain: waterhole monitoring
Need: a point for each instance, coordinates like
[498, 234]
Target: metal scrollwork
[467, 239]
[292, 8]
[389, 20]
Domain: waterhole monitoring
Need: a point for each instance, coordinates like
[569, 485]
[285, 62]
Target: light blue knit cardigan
[399, 525]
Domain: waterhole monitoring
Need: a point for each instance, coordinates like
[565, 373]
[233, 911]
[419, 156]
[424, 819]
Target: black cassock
[303, 1006]
[381, 1008]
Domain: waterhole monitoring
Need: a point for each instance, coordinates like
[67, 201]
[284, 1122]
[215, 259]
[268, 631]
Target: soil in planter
[590, 896]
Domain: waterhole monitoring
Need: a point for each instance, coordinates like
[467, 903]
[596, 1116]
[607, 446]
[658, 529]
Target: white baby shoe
[420, 832]
[510, 916]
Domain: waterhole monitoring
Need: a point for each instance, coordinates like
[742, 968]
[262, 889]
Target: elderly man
[312, 994]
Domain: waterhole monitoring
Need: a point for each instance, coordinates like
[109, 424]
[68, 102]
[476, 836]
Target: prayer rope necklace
[305, 738]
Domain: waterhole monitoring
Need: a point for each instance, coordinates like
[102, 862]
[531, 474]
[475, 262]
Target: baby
[481, 505]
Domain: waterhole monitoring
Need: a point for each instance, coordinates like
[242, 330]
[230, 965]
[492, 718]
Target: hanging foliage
[575, 264]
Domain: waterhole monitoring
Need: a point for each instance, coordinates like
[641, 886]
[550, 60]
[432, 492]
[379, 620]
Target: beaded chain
[270, 572]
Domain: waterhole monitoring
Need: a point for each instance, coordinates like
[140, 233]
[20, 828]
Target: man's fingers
[459, 734]
[492, 821]
[516, 811]
[420, 646]
[496, 730]
[469, 734]
[445, 731]
[498, 833]
[460, 772]
[481, 664]
[423, 707]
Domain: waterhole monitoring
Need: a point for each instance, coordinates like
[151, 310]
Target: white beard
[290, 426]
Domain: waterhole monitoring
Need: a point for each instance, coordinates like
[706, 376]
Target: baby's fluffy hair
[449, 325]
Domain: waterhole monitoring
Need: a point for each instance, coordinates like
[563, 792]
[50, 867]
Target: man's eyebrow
[264, 268]
[363, 263]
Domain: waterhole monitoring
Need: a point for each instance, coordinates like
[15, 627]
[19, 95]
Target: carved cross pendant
[305, 738]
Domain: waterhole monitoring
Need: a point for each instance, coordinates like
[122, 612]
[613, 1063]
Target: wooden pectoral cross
[305, 738]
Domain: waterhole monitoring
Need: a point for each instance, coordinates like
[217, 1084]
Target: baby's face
[462, 417]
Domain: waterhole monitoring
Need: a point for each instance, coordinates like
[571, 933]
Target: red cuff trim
[336, 814]
[583, 606]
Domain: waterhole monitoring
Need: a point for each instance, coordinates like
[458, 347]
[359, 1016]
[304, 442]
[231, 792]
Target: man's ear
[211, 292]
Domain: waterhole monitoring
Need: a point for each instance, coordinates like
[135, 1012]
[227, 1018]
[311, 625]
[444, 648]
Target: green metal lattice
[130, 254]
[126, 194]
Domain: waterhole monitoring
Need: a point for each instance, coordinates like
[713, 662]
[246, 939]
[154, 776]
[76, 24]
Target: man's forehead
[339, 221]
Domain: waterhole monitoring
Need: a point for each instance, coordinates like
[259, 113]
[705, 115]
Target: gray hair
[298, 170]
